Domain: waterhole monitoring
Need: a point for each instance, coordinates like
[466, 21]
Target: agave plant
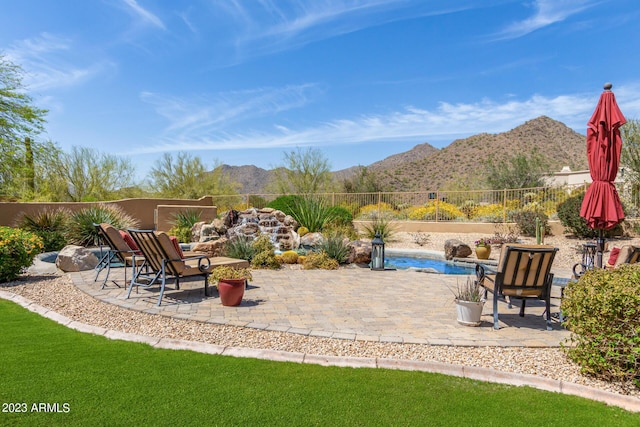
[80, 229]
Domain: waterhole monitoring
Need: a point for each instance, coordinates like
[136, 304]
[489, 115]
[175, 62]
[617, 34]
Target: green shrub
[319, 260]
[49, 225]
[80, 229]
[569, 216]
[240, 248]
[182, 224]
[336, 247]
[314, 214]
[18, 248]
[284, 203]
[526, 221]
[603, 314]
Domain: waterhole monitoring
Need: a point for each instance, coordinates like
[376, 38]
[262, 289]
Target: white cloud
[42, 58]
[143, 14]
[445, 123]
[547, 12]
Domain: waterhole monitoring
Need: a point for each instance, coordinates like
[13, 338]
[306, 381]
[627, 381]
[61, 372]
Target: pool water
[438, 265]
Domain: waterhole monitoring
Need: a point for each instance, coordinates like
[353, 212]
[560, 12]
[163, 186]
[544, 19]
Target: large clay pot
[231, 291]
[483, 252]
[469, 312]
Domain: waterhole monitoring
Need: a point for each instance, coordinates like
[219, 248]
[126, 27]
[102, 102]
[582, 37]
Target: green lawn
[104, 382]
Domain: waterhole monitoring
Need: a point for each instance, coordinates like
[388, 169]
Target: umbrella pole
[599, 248]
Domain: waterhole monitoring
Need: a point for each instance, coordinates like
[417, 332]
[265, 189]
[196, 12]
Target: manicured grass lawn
[106, 382]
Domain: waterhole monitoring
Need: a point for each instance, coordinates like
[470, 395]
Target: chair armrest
[482, 270]
[203, 261]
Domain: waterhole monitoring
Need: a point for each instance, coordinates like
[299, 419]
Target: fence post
[437, 205]
[379, 202]
[504, 206]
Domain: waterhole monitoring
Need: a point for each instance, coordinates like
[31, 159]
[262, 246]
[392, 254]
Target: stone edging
[628, 403]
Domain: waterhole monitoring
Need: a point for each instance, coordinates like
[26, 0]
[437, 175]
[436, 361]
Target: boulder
[76, 258]
[454, 248]
[311, 240]
[207, 233]
[212, 248]
[359, 252]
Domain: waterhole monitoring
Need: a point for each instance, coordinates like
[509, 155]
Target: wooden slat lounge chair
[164, 262]
[524, 272]
[119, 251]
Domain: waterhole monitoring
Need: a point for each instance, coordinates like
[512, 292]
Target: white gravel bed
[57, 293]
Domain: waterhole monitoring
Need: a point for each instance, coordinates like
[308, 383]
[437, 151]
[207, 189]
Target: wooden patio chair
[120, 251]
[165, 262]
[524, 272]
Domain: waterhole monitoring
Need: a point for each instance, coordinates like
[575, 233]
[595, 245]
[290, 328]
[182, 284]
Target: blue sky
[243, 81]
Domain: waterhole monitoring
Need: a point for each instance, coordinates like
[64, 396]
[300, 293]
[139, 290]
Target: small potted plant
[469, 302]
[231, 282]
[483, 248]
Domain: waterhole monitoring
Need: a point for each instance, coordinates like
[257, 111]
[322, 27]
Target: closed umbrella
[601, 206]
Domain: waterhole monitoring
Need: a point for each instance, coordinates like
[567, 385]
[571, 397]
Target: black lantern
[377, 253]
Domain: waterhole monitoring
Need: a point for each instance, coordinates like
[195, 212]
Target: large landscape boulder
[76, 258]
[359, 252]
[211, 248]
[454, 248]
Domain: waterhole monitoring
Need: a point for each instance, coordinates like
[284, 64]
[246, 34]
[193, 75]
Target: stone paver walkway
[353, 303]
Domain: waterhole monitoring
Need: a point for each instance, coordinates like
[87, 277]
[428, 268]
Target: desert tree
[185, 176]
[304, 172]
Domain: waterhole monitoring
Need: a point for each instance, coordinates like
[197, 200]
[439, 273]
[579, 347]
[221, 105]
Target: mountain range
[461, 165]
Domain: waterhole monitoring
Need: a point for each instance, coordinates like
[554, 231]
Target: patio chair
[121, 250]
[164, 262]
[628, 255]
[524, 272]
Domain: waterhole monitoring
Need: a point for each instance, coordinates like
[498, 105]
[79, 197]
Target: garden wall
[144, 210]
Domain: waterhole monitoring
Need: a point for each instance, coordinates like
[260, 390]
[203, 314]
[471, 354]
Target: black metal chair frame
[504, 281]
[161, 265]
[112, 254]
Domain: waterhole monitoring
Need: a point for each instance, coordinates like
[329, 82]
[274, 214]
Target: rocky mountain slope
[462, 164]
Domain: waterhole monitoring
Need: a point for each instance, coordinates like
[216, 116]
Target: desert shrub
[446, 211]
[489, 213]
[18, 248]
[240, 248]
[380, 225]
[264, 256]
[468, 208]
[505, 233]
[284, 203]
[569, 216]
[289, 257]
[319, 260]
[526, 222]
[314, 214]
[341, 216]
[603, 314]
[49, 225]
[383, 210]
[336, 247]
[80, 229]
[182, 224]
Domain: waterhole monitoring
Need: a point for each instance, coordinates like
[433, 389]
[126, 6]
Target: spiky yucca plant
[80, 229]
[49, 225]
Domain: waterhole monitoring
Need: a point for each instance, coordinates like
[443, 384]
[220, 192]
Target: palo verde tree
[519, 171]
[186, 177]
[20, 123]
[304, 172]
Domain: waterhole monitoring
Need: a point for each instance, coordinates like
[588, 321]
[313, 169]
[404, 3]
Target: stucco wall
[141, 209]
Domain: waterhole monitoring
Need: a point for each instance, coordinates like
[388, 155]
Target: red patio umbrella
[601, 206]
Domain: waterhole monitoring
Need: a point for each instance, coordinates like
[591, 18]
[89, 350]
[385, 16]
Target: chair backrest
[156, 246]
[628, 255]
[113, 239]
[526, 267]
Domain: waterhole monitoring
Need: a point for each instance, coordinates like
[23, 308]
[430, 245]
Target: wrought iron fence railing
[497, 206]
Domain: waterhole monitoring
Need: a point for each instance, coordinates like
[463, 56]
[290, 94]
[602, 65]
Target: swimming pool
[426, 262]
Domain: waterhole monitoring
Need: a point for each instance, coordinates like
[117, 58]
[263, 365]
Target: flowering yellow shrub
[18, 248]
[446, 211]
[371, 211]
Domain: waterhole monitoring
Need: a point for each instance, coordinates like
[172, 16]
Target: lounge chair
[524, 272]
[120, 251]
[164, 261]
[628, 255]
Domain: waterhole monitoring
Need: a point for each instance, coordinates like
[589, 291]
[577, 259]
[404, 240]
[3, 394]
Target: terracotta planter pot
[231, 291]
[483, 252]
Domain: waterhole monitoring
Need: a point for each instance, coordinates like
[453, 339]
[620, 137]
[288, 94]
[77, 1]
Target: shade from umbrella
[601, 206]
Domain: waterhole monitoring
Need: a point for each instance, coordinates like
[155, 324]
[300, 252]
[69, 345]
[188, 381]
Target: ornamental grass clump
[18, 248]
[49, 225]
[603, 314]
